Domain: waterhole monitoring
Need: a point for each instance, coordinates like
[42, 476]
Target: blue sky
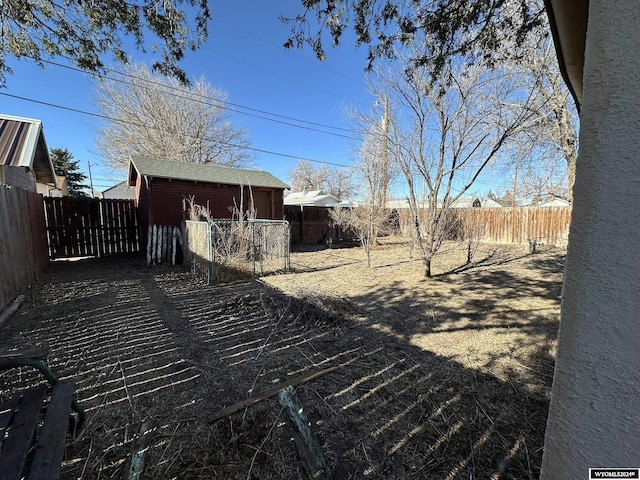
[244, 57]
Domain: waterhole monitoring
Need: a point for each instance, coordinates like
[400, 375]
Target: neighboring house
[398, 204]
[487, 202]
[63, 187]
[161, 186]
[314, 198]
[120, 191]
[554, 202]
[24, 156]
[471, 202]
[309, 215]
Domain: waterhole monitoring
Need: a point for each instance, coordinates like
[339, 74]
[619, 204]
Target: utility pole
[384, 180]
[91, 180]
[513, 206]
[515, 186]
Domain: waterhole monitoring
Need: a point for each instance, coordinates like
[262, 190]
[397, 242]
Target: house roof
[22, 144]
[466, 202]
[568, 22]
[311, 198]
[491, 203]
[194, 172]
[554, 202]
[120, 190]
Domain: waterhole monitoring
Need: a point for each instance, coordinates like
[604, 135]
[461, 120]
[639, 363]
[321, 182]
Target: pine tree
[91, 33]
[66, 166]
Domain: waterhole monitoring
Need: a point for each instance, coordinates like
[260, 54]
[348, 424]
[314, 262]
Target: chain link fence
[227, 249]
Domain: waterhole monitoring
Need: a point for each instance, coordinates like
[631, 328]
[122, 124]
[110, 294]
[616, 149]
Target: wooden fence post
[149, 245]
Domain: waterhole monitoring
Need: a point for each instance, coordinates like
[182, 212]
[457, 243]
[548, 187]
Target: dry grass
[441, 378]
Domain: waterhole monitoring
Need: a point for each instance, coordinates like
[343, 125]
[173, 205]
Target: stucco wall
[593, 419]
[48, 190]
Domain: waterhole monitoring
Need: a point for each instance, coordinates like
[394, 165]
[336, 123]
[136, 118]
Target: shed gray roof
[120, 190]
[154, 167]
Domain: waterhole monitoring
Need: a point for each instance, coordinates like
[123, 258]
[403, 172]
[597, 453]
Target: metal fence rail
[227, 248]
[257, 246]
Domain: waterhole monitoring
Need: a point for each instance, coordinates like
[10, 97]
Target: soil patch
[441, 378]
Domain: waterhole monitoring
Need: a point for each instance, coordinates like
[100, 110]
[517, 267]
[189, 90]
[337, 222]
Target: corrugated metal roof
[22, 144]
[154, 167]
[13, 138]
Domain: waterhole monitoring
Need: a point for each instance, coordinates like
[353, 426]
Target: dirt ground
[441, 378]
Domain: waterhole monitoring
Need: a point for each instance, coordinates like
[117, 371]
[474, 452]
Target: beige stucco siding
[593, 419]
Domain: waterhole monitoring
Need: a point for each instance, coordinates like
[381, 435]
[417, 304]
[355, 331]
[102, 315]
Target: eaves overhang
[568, 20]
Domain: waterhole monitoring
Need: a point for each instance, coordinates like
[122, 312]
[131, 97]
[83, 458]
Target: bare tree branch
[445, 132]
[158, 117]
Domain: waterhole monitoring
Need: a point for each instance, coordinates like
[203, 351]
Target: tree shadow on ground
[156, 343]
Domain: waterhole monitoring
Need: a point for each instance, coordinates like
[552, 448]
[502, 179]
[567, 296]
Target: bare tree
[556, 128]
[445, 132]
[340, 183]
[545, 153]
[306, 177]
[154, 116]
[543, 178]
[337, 181]
[374, 169]
[365, 220]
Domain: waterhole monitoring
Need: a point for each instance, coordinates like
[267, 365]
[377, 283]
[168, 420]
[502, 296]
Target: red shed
[161, 186]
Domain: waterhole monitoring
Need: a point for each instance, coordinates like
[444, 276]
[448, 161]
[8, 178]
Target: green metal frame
[51, 378]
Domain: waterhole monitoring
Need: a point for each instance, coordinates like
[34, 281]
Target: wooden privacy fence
[23, 241]
[505, 225]
[517, 225]
[90, 227]
[310, 224]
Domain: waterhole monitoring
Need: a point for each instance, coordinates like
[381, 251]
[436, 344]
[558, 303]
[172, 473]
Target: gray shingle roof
[155, 167]
[120, 190]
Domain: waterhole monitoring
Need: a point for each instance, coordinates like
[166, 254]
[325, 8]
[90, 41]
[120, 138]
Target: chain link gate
[239, 248]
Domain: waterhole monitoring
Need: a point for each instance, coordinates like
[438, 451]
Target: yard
[445, 378]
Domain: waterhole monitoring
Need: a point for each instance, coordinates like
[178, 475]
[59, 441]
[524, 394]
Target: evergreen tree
[448, 31]
[90, 34]
[66, 166]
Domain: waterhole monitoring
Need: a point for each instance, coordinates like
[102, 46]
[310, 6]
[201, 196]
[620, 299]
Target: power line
[228, 144]
[324, 92]
[267, 42]
[224, 103]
